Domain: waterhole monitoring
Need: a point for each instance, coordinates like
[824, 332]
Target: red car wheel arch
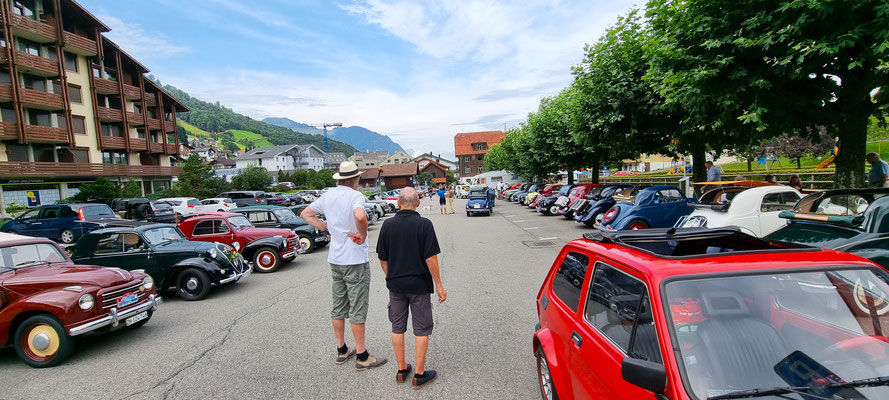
[544, 339]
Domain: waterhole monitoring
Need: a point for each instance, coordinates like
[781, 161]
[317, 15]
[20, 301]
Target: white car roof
[177, 198]
[9, 237]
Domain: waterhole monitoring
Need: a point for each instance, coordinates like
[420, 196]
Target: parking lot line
[521, 220]
[549, 238]
[528, 229]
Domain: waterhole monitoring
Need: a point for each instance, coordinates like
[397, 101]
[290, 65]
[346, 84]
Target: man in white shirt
[343, 208]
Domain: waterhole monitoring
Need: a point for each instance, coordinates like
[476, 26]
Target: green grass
[261, 142]
[193, 130]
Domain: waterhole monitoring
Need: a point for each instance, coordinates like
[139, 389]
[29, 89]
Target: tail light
[80, 214]
[190, 206]
[610, 215]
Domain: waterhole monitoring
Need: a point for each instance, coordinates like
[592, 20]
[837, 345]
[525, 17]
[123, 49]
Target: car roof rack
[693, 242]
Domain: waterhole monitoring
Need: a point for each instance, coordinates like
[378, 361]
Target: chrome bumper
[289, 254]
[113, 318]
[237, 276]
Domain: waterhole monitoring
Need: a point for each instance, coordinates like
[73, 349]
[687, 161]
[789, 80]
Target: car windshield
[239, 222]
[162, 234]
[24, 255]
[96, 211]
[564, 190]
[791, 330]
[284, 213]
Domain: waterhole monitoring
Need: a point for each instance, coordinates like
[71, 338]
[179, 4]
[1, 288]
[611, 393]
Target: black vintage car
[162, 251]
[282, 217]
[597, 204]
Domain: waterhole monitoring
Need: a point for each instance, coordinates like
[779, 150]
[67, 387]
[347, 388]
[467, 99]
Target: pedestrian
[346, 220]
[795, 183]
[714, 174]
[771, 179]
[879, 170]
[441, 200]
[450, 196]
[408, 251]
[490, 194]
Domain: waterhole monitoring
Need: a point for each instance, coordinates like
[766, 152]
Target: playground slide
[826, 162]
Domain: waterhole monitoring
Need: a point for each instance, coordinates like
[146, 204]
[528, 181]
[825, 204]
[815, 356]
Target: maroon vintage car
[46, 300]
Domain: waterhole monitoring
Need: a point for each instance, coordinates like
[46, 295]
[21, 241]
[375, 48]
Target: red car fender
[62, 304]
[544, 339]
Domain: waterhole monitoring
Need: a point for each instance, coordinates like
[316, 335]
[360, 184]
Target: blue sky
[417, 71]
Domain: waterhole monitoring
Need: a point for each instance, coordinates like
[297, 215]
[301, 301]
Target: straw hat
[348, 169]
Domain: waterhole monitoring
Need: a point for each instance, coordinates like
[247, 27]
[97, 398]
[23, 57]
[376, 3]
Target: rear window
[96, 211]
[194, 202]
[160, 206]
[174, 202]
[569, 279]
[227, 200]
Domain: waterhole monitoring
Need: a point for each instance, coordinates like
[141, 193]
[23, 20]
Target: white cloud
[139, 43]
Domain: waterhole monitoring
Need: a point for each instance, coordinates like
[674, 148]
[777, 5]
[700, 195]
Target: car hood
[816, 234]
[175, 246]
[254, 233]
[41, 277]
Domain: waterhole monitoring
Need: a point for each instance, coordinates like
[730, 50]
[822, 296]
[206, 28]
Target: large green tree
[252, 178]
[744, 70]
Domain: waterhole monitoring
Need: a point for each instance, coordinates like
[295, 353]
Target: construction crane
[325, 125]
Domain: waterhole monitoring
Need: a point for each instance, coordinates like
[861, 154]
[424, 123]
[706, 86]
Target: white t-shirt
[338, 206]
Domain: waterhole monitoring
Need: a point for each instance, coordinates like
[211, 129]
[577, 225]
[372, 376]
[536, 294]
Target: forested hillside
[216, 118]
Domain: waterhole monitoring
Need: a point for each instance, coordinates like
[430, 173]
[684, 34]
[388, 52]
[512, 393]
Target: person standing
[795, 183]
[714, 174]
[450, 196]
[879, 170]
[441, 200]
[408, 251]
[343, 208]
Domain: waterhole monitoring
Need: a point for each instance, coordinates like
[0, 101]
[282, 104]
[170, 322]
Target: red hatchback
[710, 314]
[266, 248]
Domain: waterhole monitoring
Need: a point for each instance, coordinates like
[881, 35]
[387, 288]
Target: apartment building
[286, 157]
[74, 106]
[399, 157]
[369, 159]
[471, 147]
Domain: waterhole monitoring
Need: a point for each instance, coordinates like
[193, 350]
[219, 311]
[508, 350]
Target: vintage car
[507, 195]
[576, 194]
[266, 248]
[710, 313]
[282, 217]
[652, 207]
[162, 251]
[479, 202]
[390, 204]
[585, 204]
[46, 300]
[63, 222]
[140, 208]
[523, 193]
[544, 203]
[754, 210]
[606, 200]
[851, 220]
[547, 191]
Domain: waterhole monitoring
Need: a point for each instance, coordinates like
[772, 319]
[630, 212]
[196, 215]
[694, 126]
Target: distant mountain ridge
[362, 139]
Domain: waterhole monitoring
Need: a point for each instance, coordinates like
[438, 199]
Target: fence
[810, 180]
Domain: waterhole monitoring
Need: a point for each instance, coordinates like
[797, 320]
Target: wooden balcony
[25, 169]
[155, 147]
[154, 124]
[36, 65]
[134, 118]
[172, 148]
[137, 144]
[3, 58]
[5, 92]
[169, 126]
[150, 100]
[110, 114]
[105, 86]
[42, 100]
[79, 44]
[8, 130]
[45, 134]
[33, 29]
[132, 92]
[114, 142]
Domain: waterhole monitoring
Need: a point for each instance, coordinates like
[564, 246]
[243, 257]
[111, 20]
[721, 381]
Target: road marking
[521, 220]
[509, 216]
[528, 229]
[549, 238]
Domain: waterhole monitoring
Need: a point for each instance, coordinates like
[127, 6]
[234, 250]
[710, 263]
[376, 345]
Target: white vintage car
[754, 210]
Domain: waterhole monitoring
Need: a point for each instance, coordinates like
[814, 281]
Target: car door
[135, 253]
[212, 230]
[109, 247]
[772, 205]
[671, 205]
[616, 312]
[28, 223]
[48, 223]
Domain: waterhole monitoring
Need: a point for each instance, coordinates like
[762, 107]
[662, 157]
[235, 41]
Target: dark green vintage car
[851, 220]
[162, 251]
[282, 217]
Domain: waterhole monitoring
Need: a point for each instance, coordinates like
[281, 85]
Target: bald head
[408, 199]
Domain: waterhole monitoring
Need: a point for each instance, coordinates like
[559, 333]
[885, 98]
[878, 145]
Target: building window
[71, 62]
[140, 133]
[4, 76]
[44, 152]
[17, 152]
[467, 170]
[24, 8]
[481, 169]
[7, 114]
[137, 108]
[111, 130]
[112, 157]
[27, 46]
[74, 155]
[33, 82]
[467, 159]
[75, 94]
[39, 118]
[479, 158]
[79, 124]
[479, 146]
[151, 113]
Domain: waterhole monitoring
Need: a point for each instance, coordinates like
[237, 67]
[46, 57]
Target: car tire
[553, 210]
[545, 377]
[306, 242]
[220, 210]
[192, 284]
[266, 259]
[142, 322]
[66, 236]
[592, 221]
[468, 214]
[638, 224]
[42, 330]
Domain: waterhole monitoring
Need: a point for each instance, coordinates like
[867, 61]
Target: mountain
[214, 117]
[362, 139]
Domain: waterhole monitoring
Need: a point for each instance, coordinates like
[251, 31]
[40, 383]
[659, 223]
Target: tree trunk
[799, 163]
[570, 176]
[852, 133]
[749, 165]
[699, 170]
[595, 171]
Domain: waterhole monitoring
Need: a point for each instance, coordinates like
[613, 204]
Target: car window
[96, 210]
[285, 213]
[203, 227]
[162, 234]
[174, 202]
[619, 308]
[239, 222]
[194, 202]
[260, 216]
[208, 202]
[569, 279]
[49, 213]
[669, 196]
[219, 226]
[779, 201]
[227, 200]
[21, 255]
[133, 243]
[846, 204]
[33, 214]
[109, 243]
[67, 212]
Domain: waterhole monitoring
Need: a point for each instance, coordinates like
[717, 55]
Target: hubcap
[546, 380]
[43, 341]
[265, 259]
[305, 243]
[67, 236]
[553, 210]
[40, 342]
[192, 283]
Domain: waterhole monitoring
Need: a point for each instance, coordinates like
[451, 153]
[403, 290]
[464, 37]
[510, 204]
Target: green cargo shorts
[351, 288]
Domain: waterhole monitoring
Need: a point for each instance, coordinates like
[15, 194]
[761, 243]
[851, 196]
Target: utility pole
[325, 125]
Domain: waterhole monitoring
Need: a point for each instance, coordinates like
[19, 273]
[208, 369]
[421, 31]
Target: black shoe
[401, 376]
[422, 380]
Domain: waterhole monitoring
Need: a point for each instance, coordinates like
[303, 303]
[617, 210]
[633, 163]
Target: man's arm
[432, 263]
[361, 224]
[311, 216]
[385, 265]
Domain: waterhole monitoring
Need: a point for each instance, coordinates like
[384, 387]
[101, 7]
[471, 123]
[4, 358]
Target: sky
[418, 71]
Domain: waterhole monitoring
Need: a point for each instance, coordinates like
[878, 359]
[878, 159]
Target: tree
[450, 178]
[101, 188]
[760, 68]
[252, 178]
[131, 189]
[197, 178]
[424, 178]
[326, 178]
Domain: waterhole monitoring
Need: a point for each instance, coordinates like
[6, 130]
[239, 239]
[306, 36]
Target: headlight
[237, 245]
[86, 302]
[147, 283]
[213, 253]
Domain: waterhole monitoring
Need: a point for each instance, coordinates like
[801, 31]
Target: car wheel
[468, 214]
[192, 284]
[266, 259]
[67, 236]
[142, 322]
[306, 243]
[553, 210]
[220, 210]
[545, 377]
[41, 341]
[635, 225]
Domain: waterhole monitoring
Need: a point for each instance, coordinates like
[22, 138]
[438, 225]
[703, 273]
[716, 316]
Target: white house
[283, 158]
[309, 156]
[399, 157]
[369, 159]
[424, 159]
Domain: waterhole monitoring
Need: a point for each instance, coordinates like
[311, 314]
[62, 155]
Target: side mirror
[645, 374]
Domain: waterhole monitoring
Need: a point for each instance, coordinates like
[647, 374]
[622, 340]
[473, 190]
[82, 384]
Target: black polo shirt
[406, 241]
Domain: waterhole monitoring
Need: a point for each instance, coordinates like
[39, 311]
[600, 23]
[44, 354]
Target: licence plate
[136, 318]
[477, 206]
[127, 299]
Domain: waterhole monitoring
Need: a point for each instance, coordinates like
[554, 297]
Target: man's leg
[398, 311]
[421, 343]
[357, 281]
[339, 330]
[421, 319]
[340, 307]
[398, 346]
[358, 333]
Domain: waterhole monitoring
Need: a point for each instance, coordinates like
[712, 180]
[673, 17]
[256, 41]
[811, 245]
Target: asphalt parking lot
[269, 336]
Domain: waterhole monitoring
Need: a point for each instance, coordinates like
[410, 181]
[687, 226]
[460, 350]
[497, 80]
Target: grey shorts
[351, 288]
[420, 309]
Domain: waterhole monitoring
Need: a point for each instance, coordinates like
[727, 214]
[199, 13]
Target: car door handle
[575, 337]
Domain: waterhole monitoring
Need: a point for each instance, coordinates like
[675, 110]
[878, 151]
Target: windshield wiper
[32, 262]
[877, 381]
[761, 392]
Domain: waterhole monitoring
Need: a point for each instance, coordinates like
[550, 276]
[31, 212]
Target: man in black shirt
[408, 252]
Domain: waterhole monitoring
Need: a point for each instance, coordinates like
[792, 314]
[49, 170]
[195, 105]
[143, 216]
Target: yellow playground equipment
[829, 160]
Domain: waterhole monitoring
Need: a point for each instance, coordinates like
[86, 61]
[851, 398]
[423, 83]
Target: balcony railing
[41, 99]
[110, 114]
[45, 134]
[36, 65]
[33, 29]
[137, 144]
[150, 99]
[24, 169]
[8, 130]
[134, 118]
[105, 86]
[172, 148]
[169, 126]
[154, 123]
[132, 92]
[80, 44]
[155, 147]
[3, 57]
[114, 142]
[5, 91]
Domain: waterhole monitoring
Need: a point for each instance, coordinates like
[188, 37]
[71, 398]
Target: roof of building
[265, 152]
[371, 154]
[439, 165]
[88, 15]
[369, 173]
[463, 141]
[430, 156]
[409, 169]
[334, 156]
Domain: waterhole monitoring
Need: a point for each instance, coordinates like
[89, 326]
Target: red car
[267, 248]
[578, 192]
[710, 314]
[46, 300]
[547, 191]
